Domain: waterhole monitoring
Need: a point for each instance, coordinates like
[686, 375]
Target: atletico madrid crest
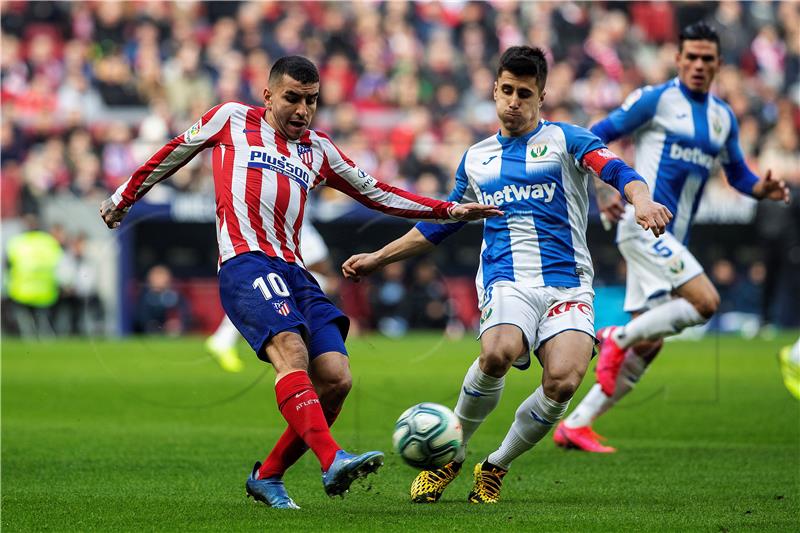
[282, 307]
[306, 154]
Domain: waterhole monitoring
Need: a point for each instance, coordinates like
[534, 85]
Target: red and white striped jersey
[262, 180]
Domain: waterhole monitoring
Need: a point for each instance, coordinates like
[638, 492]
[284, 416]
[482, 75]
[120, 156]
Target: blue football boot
[346, 468]
[270, 491]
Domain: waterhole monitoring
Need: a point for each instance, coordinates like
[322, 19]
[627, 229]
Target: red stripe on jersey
[253, 183]
[281, 204]
[223, 184]
[596, 160]
[280, 142]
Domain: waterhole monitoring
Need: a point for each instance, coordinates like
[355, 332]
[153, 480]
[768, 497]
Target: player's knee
[287, 351]
[338, 388]
[498, 359]
[707, 305]
[561, 388]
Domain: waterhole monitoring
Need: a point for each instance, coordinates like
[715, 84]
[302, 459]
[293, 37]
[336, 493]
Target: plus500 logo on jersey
[691, 155]
[263, 159]
[510, 193]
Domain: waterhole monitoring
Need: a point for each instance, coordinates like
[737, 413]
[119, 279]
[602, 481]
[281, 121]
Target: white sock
[534, 418]
[662, 321]
[479, 395]
[595, 403]
[226, 335]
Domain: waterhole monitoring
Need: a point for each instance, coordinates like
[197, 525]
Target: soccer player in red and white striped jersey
[265, 160]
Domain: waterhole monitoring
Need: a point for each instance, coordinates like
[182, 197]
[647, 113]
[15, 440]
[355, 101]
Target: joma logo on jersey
[510, 193]
[691, 155]
[260, 158]
[538, 150]
[564, 307]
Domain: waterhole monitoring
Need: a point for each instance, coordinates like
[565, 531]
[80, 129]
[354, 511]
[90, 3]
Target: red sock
[299, 405]
[289, 448]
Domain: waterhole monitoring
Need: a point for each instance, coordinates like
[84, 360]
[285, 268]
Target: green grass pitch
[149, 435]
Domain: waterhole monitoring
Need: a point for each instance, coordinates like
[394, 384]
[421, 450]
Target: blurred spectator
[80, 311]
[427, 298]
[160, 307]
[388, 301]
[32, 283]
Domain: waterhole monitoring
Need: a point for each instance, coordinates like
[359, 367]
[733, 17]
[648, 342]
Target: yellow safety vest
[33, 260]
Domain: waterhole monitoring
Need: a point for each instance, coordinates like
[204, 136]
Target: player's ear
[494, 91]
[267, 97]
[541, 98]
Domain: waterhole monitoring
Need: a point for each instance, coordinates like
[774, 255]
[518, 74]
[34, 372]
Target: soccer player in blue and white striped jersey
[535, 276]
[680, 131]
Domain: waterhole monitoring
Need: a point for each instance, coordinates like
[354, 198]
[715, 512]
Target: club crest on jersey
[715, 123]
[538, 150]
[282, 308]
[306, 154]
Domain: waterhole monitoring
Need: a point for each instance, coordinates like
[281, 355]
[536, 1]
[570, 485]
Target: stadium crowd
[91, 89]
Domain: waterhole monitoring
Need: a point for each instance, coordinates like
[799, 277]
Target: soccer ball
[427, 435]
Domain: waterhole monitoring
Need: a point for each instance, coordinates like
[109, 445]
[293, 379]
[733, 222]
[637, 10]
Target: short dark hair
[297, 67]
[524, 61]
[698, 31]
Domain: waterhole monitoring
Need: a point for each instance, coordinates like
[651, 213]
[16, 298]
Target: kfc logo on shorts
[564, 307]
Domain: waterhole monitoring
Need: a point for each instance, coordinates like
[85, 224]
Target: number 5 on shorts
[275, 282]
[662, 249]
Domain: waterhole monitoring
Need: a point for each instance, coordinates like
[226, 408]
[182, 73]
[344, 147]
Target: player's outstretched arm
[771, 189]
[649, 214]
[411, 244]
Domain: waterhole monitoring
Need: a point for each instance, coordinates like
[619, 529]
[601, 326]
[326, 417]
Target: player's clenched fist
[360, 265]
[111, 214]
[652, 216]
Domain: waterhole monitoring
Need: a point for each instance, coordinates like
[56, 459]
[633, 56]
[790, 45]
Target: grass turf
[149, 435]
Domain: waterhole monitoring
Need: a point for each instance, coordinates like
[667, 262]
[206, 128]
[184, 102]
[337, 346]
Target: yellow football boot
[488, 482]
[429, 485]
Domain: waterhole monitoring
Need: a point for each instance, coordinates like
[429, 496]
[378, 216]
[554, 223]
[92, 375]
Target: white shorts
[540, 312]
[655, 266]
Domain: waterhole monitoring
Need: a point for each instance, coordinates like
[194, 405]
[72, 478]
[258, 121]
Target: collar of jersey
[696, 96]
[521, 138]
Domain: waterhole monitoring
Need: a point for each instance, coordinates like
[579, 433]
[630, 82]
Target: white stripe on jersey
[680, 226]
[525, 251]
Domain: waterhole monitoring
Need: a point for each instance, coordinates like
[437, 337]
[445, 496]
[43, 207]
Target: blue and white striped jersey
[678, 136]
[540, 181]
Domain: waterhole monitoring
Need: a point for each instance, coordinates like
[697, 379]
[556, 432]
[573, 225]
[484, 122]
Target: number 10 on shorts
[276, 284]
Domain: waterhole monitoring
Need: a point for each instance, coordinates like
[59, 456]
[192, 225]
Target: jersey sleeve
[339, 172]
[592, 156]
[637, 109]
[462, 192]
[173, 155]
[731, 157]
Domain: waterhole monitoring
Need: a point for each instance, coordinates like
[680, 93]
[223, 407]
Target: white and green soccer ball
[427, 435]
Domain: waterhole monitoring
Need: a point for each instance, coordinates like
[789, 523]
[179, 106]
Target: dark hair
[699, 31]
[297, 67]
[524, 61]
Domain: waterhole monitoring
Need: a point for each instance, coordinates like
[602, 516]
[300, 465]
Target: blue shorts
[264, 296]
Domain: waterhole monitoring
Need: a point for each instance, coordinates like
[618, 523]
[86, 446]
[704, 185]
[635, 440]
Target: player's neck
[698, 96]
[505, 133]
